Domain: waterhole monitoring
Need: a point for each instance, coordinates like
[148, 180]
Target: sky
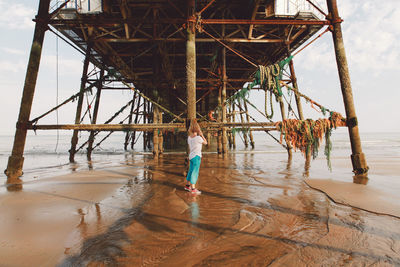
[372, 41]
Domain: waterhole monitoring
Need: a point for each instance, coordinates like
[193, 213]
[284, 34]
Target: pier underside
[144, 44]
[186, 59]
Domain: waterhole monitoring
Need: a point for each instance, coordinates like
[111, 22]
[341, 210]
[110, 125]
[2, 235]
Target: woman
[195, 140]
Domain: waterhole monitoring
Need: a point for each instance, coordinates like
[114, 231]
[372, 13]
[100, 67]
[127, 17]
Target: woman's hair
[194, 127]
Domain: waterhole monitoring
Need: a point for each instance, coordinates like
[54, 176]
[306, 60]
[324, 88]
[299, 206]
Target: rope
[269, 116]
[290, 106]
[306, 135]
[308, 99]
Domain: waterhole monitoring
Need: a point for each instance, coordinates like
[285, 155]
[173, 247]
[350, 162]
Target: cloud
[15, 16]
[371, 32]
[13, 51]
[66, 65]
[320, 55]
[11, 66]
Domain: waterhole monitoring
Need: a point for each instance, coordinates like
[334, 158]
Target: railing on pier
[295, 7]
[81, 6]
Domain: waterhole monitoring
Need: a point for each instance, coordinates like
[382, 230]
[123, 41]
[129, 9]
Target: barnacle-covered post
[296, 88]
[74, 139]
[95, 112]
[191, 61]
[129, 133]
[357, 158]
[283, 115]
[156, 140]
[160, 134]
[248, 120]
[145, 120]
[298, 103]
[219, 119]
[233, 120]
[16, 160]
[223, 101]
[241, 110]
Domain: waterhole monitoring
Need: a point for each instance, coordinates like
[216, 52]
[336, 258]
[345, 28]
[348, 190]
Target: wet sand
[379, 193]
[255, 210]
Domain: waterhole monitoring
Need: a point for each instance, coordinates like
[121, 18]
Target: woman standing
[195, 140]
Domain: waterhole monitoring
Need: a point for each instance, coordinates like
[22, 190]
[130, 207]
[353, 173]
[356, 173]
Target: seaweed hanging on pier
[306, 135]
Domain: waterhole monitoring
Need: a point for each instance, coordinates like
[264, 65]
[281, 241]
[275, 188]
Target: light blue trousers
[194, 168]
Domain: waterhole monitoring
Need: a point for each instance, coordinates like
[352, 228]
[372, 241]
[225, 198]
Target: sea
[47, 154]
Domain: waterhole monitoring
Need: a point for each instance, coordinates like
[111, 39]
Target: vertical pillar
[229, 119]
[74, 140]
[357, 158]
[136, 121]
[145, 119]
[191, 62]
[219, 119]
[283, 115]
[155, 132]
[95, 112]
[16, 160]
[248, 120]
[150, 109]
[160, 134]
[128, 133]
[295, 88]
[233, 120]
[223, 100]
[246, 143]
[298, 104]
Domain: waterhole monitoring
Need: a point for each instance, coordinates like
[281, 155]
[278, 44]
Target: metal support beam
[129, 134]
[136, 121]
[74, 139]
[95, 112]
[283, 114]
[16, 160]
[132, 21]
[357, 158]
[253, 16]
[198, 40]
[145, 120]
[296, 88]
[223, 101]
[144, 126]
[248, 120]
[156, 140]
[191, 63]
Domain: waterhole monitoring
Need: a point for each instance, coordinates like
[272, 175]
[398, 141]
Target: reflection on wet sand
[255, 210]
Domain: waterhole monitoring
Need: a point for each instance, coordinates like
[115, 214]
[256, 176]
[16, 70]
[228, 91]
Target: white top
[195, 144]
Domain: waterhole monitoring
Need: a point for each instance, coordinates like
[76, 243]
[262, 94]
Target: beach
[256, 208]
